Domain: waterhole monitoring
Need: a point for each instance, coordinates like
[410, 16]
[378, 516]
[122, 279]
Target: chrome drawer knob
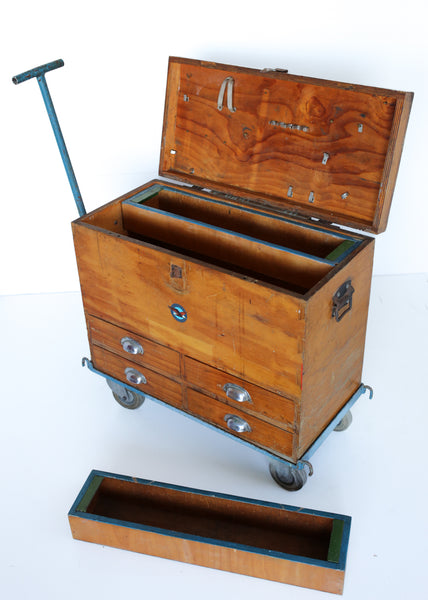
[237, 424]
[134, 376]
[131, 346]
[235, 392]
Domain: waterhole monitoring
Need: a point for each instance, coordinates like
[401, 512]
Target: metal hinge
[270, 70]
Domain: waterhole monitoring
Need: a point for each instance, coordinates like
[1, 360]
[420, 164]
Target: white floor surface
[59, 421]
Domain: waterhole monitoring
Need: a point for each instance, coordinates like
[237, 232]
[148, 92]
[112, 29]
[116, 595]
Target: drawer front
[129, 372]
[240, 424]
[240, 394]
[134, 347]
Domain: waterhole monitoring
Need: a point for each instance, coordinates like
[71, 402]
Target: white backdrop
[109, 99]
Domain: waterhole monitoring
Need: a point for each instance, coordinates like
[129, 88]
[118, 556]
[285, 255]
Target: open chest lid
[312, 147]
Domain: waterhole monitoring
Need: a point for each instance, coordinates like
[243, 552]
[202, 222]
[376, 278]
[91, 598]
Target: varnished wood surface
[207, 555]
[334, 351]
[263, 403]
[262, 434]
[245, 153]
[231, 324]
[392, 161]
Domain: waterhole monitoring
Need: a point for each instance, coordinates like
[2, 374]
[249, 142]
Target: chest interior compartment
[254, 244]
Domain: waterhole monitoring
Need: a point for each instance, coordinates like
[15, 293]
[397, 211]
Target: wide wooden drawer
[133, 346]
[125, 370]
[239, 393]
[240, 424]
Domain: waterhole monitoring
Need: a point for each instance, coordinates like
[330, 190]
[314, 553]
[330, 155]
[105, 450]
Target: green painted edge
[146, 194]
[335, 541]
[341, 249]
[90, 493]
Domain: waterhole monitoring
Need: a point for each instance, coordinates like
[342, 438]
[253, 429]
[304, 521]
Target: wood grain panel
[155, 356]
[263, 404]
[255, 151]
[157, 385]
[278, 441]
[334, 351]
[208, 555]
[392, 162]
[252, 331]
[261, 260]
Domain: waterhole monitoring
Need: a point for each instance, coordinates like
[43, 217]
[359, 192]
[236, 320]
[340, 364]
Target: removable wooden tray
[251, 537]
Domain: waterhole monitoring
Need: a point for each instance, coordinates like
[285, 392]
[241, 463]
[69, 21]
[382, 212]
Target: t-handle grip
[38, 71]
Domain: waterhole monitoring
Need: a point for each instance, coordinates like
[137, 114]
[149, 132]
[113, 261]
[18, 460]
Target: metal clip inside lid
[229, 81]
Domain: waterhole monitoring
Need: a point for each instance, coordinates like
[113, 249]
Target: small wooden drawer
[251, 537]
[240, 394]
[240, 424]
[143, 379]
[133, 346]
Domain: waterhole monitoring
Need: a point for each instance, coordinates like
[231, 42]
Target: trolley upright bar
[39, 73]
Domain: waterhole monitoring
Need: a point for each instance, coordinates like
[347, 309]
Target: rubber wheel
[344, 423]
[129, 399]
[125, 397]
[287, 477]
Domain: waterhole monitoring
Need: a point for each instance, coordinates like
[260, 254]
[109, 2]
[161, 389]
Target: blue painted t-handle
[39, 72]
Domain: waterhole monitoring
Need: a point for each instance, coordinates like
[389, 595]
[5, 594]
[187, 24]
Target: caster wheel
[344, 423]
[287, 477]
[126, 398]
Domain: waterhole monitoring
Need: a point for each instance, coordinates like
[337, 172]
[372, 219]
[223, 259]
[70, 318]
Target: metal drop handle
[237, 424]
[236, 392]
[131, 346]
[134, 376]
[342, 300]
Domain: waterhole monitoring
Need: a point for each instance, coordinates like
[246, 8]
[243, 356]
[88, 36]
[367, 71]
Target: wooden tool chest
[231, 295]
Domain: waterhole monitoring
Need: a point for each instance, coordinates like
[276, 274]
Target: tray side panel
[208, 555]
[334, 351]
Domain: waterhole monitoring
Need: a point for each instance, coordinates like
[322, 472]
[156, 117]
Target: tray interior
[225, 519]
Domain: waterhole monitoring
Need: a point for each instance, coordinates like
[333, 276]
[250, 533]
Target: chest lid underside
[312, 147]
